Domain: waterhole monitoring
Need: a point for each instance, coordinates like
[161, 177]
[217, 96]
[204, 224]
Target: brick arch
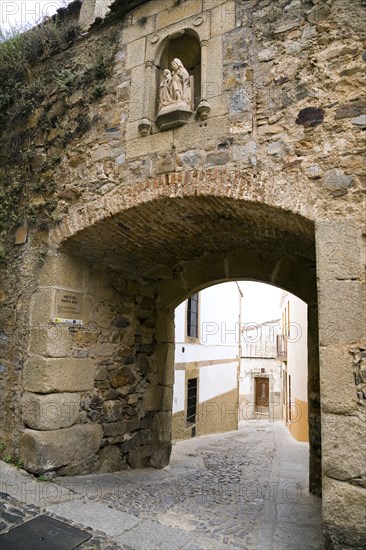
[234, 184]
[160, 229]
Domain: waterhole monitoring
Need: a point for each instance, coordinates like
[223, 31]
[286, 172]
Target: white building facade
[207, 354]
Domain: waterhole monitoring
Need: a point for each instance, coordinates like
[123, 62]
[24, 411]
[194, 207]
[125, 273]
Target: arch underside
[156, 240]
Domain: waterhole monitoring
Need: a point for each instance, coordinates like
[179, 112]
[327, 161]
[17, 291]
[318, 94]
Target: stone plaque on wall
[68, 307]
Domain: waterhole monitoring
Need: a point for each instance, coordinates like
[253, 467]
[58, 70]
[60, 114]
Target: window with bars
[192, 316]
[191, 401]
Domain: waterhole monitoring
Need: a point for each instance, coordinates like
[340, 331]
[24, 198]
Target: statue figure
[181, 85]
[166, 97]
[175, 88]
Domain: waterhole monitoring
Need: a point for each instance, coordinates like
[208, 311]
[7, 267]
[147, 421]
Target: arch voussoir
[222, 182]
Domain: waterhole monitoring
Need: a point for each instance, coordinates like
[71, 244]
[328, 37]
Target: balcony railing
[281, 347]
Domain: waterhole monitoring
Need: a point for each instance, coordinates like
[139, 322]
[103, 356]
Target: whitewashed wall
[179, 391]
[217, 379]
[297, 348]
[219, 308]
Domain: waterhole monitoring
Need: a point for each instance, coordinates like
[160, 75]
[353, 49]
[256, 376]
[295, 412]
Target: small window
[191, 401]
[192, 316]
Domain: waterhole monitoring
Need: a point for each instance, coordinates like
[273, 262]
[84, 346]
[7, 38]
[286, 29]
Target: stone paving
[244, 489]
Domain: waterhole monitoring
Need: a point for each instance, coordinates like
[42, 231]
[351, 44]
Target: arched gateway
[135, 264]
[260, 178]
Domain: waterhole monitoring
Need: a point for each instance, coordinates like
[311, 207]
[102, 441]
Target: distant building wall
[259, 361]
[295, 368]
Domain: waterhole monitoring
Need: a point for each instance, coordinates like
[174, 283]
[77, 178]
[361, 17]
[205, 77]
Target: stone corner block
[160, 456]
[47, 375]
[43, 451]
[42, 306]
[342, 316]
[136, 31]
[50, 412]
[135, 52]
[223, 18]
[63, 270]
[344, 508]
[336, 365]
[162, 427]
[177, 13]
[51, 341]
[343, 446]
[339, 250]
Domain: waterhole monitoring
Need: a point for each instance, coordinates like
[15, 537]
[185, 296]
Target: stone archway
[133, 261]
[133, 255]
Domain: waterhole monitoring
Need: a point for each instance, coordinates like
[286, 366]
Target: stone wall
[276, 167]
[79, 377]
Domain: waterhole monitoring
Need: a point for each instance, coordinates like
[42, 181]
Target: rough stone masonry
[108, 223]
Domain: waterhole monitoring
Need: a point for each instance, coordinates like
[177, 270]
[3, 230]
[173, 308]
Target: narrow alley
[244, 489]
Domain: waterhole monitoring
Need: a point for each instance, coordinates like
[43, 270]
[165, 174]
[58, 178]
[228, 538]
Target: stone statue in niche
[166, 97]
[175, 88]
[181, 85]
[175, 97]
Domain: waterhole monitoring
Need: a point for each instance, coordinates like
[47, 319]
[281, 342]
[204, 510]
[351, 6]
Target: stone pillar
[53, 380]
[315, 468]
[147, 91]
[203, 108]
[162, 392]
[342, 322]
[145, 123]
[204, 46]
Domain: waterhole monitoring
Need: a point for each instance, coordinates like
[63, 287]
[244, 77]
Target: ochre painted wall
[215, 415]
[299, 427]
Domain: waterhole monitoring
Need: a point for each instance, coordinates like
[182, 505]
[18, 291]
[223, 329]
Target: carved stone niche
[178, 79]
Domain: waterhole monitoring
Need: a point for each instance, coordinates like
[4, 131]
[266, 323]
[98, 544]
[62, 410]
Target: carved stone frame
[147, 124]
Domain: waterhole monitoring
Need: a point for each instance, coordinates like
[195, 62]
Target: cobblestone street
[245, 489]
